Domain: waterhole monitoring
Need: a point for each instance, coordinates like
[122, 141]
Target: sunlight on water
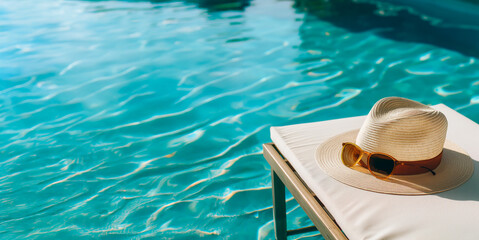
[145, 119]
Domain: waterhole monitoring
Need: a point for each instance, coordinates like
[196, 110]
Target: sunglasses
[380, 165]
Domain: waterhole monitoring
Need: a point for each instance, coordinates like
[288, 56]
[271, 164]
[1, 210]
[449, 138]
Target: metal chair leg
[279, 207]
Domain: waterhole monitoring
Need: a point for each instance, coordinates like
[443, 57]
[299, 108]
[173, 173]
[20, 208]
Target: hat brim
[456, 168]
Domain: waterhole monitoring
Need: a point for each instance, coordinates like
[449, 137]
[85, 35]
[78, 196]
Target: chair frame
[283, 175]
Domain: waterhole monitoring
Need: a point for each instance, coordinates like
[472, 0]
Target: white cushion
[362, 214]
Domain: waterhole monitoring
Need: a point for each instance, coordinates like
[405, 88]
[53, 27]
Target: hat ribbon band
[414, 167]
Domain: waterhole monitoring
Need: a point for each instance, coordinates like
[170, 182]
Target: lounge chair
[339, 211]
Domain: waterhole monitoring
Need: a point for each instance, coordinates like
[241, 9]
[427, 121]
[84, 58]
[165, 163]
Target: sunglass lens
[350, 154]
[381, 165]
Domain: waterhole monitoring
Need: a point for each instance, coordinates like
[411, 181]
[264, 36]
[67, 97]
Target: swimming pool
[145, 119]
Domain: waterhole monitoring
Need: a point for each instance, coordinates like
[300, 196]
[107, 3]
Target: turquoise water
[144, 120]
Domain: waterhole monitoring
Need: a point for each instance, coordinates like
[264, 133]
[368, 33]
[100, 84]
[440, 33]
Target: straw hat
[408, 131]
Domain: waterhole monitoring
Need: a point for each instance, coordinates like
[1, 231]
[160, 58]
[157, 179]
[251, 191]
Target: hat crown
[403, 128]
